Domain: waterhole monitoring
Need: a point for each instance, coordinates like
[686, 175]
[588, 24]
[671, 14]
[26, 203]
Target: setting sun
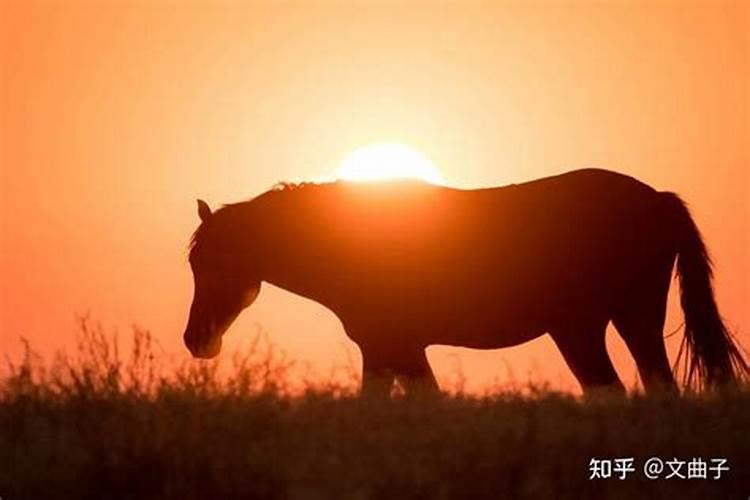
[388, 161]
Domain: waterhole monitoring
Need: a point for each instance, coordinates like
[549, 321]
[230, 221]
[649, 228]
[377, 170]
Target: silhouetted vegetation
[98, 425]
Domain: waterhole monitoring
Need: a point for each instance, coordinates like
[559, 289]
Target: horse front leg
[415, 375]
[377, 374]
[409, 366]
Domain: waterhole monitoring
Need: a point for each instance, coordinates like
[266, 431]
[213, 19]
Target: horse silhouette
[405, 264]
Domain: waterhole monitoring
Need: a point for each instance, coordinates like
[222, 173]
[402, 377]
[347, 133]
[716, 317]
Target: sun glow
[388, 161]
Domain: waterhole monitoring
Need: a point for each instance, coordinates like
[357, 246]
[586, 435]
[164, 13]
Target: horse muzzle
[206, 345]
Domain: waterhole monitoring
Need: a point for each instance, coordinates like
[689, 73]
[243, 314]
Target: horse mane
[276, 189]
[290, 186]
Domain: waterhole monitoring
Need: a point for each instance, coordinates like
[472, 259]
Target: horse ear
[204, 212]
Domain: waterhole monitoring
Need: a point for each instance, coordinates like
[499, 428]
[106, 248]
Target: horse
[405, 264]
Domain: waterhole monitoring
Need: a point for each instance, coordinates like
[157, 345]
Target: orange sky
[113, 120]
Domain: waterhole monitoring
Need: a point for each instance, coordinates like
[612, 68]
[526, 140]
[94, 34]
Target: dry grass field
[93, 425]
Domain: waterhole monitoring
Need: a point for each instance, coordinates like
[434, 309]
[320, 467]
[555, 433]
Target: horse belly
[478, 324]
[487, 338]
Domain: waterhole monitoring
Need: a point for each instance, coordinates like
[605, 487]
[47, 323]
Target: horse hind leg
[641, 325]
[584, 349]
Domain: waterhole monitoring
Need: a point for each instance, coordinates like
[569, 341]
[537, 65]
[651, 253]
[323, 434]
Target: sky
[114, 118]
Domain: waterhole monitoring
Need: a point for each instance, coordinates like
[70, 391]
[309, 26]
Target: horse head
[224, 283]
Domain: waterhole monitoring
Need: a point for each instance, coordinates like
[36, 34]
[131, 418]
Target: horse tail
[711, 355]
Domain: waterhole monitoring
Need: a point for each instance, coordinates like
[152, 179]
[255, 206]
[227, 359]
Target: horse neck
[286, 252]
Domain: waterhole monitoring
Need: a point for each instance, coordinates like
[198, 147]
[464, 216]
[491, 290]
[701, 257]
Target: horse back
[517, 255]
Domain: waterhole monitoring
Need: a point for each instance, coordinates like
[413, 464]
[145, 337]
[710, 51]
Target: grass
[97, 426]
